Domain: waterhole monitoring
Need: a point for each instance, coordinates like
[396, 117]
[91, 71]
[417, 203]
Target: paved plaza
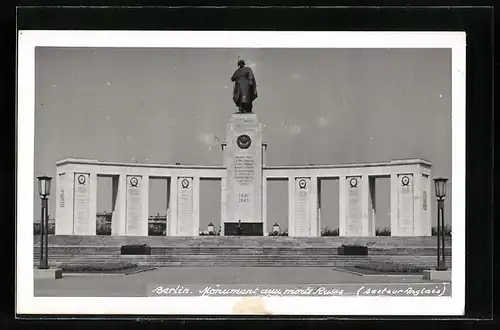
[134, 285]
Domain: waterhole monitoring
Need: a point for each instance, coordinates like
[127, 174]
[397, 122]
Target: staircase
[217, 251]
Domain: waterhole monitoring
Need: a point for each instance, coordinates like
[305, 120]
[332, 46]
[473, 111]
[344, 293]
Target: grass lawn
[107, 268]
[380, 268]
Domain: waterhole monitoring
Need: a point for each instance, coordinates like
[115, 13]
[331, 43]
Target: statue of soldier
[245, 87]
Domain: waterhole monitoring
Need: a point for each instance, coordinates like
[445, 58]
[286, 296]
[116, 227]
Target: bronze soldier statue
[245, 87]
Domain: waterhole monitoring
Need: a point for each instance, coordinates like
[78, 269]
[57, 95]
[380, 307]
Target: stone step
[332, 241]
[154, 260]
[250, 264]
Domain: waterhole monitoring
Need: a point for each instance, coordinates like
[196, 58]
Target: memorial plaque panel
[302, 207]
[81, 204]
[424, 215]
[134, 205]
[185, 207]
[62, 184]
[405, 205]
[354, 210]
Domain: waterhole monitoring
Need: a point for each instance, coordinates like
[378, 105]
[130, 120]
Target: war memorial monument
[244, 175]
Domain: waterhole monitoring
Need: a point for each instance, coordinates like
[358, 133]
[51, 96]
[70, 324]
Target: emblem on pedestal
[244, 141]
[405, 181]
[185, 183]
[81, 179]
[353, 182]
[134, 181]
[302, 184]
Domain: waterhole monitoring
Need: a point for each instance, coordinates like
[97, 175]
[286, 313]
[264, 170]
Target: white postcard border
[26, 303]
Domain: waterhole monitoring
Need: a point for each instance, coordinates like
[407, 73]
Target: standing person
[239, 229]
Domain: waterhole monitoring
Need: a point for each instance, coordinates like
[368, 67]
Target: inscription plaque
[243, 183]
[134, 204]
[81, 204]
[302, 207]
[185, 207]
[424, 200]
[244, 169]
[62, 183]
[354, 212]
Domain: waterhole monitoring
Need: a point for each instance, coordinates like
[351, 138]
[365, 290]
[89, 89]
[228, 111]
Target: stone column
[264, 193]
[134, 209]
[291, 206]
[318, 231]
[196, 206]
[422, 214]
[368, 205]
[64, 204]
[405, 205]
[243, 160]
[394, 204]
[145, 206]
[365, 205]
[302, 207]
[313, 202]
[93, 204]
[223, 206]
[342, 206]
[118, 224]
[81, 205]
[426, 216]
[185, 207]
[417, 202]
[172, 220]
[264, 206]
[356, 223]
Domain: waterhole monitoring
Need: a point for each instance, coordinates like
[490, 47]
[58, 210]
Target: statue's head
[241, 63]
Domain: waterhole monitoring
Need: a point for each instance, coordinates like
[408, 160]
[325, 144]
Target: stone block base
[247, 229]
[437, 275]
[51, 273]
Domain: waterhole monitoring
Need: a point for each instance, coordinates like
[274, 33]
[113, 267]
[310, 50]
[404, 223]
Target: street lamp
[44, 192]
[440, 187]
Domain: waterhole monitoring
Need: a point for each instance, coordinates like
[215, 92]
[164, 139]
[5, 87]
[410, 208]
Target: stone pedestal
[437, 275]
[137, 205]
[64, 206]
[243, 161]
[47, 274]
[303, 207]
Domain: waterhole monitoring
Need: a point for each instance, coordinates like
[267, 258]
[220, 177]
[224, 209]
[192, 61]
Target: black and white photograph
[240, 172]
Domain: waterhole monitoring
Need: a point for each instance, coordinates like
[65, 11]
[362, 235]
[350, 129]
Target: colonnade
[76, 207]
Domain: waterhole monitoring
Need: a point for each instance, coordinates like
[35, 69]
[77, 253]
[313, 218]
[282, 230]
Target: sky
[318, 106]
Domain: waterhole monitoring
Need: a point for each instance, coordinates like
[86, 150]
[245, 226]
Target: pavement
[135, 285]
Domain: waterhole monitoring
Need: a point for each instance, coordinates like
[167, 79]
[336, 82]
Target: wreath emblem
[302, 184]
[244, 141]
[405, 181]
[185, 183]
[134, 181]
[81, 179]
[353, 182]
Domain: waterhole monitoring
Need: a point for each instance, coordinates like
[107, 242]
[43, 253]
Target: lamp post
[44, 192]
[440, 186]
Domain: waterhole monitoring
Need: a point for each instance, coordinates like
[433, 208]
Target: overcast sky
[319, 106]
